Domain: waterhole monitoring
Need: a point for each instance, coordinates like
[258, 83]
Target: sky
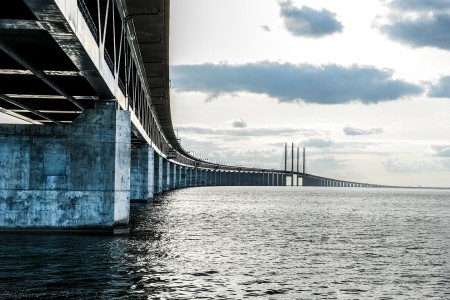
[363, 85]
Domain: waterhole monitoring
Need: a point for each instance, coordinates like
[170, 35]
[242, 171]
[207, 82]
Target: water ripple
[248, 243]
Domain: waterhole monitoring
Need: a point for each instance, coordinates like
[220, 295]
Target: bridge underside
[39, 81]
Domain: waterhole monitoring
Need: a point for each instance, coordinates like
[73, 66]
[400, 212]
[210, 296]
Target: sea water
[248, 243]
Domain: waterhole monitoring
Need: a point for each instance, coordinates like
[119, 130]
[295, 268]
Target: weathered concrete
[165, 175]
[172, 176]
[158, 173]
[142, 174]
[66, 176]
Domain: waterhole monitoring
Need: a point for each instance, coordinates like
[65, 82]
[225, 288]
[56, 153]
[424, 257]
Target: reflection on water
[245, 242]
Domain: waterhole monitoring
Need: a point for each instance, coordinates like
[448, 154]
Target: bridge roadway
[95, 73]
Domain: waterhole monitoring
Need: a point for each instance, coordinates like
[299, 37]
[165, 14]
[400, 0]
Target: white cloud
[406, 164]
[441, 150]
[317, 142]
[350, 130]
[239, 123]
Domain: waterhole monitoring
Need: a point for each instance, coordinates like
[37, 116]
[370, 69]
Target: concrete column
[188, 177]
[207, 177]
[67, 177]
[194, 177]
[227, 178]
[142, 173]
[198, 177]
[203, 178]
[191, 177]
[182, 176]
[212, 180]
[176, 179]
[179, 181]
[172, 176]
[158, 174]
[165, 174]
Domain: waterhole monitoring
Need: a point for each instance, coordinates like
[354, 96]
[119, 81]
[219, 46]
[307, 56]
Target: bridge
[91, 79]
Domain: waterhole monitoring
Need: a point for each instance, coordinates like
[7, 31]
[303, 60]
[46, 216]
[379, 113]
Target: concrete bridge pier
[182, 177]
[166, 174]
[67, 177]
[188, 176]
[142, 173]
[195, 177]
[236, 178]
[172, 176]
[179, 170]
[158, 173]
[214, 177]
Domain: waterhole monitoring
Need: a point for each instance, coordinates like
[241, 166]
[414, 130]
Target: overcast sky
[363, 85]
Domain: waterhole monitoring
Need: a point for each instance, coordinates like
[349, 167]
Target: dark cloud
[421, 5]
[441, 150]
[441, 89]
[350, 130]
[307, 21]
[238, 123]
[329, 84]
[425, 31]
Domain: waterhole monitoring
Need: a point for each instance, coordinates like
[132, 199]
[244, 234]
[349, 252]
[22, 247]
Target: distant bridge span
[95, 73]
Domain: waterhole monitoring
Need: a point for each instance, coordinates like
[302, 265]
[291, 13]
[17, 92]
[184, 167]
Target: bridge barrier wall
[66, 176]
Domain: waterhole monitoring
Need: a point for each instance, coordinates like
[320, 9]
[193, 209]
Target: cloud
[350, 130]
[404, 164]
[328, 84]
[307, 21]
[266, 28]
[326, 166]
[424, 31]
[441, 89]
[421, 5]
[243, 131]
[238, 123]
[441, 150]
[318, 142]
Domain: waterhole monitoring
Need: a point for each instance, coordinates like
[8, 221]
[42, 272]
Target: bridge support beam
[67, 177]
[142, 173]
